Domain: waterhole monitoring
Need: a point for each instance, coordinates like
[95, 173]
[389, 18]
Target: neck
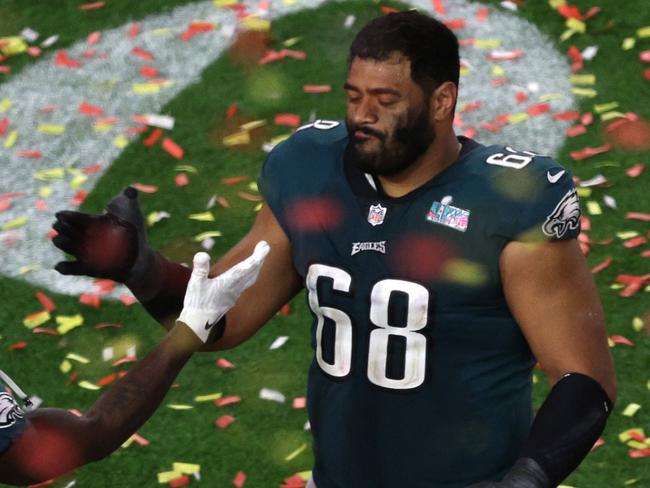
[442, 153]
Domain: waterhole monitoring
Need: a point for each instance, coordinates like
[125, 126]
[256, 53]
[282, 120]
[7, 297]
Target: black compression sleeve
[567, 425]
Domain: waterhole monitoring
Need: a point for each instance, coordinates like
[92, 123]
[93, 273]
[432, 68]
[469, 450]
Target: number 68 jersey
[421, 377]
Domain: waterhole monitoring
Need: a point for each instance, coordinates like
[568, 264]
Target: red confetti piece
[4, 205]
[388, 10]
[94, 37]
[88, 109]
[496, 82]
[634, 284]
[576, 130]
[223, 363]
[107, 380]
[46, 301]
[90, 299]
[599, 267]
[234, 180]
[566, 116]
[134, 29]
[135, 130]
[91, 6]
[93, 168]
[317, 88]
[576, 56]
[196, 28]
[181, 179]
[148, 72]
[505, 55]
[294, 481]
[180, 481]
[587, 118]
[291, 120]
[598, 443]
[539, 109]
[141, 53]
[40, 205]
[439, 7]
[646, 74]
[635, 170]
[570, 11]
[125, 360]
[145, 188]
[285, 309]
[139, 439]
[644, 56]
[17, 346]
[34, 51]
[62, 59]
[228, 400]
[645, 217]
[619, 339]
[153, 137]
[224, 421]
[299, 402]
[588, 152]
[231, 111]
[635, 242]
[29, 153]
[104, 285]
[639, 453]
[521, 96]
[455, 24]
[4, 125]
[482, 14]
[4, 69]
[128, 299]
[79, 198]
[173, 149]
[239, 479]
[591, 12]
[45, 330]
[645, 254]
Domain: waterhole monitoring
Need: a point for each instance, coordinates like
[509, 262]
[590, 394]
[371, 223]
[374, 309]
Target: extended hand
[208, 299]
[112, 245]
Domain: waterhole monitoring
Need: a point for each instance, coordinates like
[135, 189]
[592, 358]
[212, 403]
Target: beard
[411, 137]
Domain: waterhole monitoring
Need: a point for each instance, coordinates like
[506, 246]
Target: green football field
[268, 441]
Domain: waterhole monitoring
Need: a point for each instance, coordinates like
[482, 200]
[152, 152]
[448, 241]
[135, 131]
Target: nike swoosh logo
[209, 325]
[554, 178]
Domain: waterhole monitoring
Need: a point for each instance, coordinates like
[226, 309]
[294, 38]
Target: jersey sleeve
[549, 208]
[12, 420]
[271, 180]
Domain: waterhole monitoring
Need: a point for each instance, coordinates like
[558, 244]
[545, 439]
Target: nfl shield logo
[376, 214]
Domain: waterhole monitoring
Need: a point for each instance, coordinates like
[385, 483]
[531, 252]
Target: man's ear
[443, 101]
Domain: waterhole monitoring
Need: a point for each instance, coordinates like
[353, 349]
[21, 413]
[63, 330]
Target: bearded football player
[437, 270]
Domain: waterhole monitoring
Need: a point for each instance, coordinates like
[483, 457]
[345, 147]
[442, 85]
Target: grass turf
[258, 447]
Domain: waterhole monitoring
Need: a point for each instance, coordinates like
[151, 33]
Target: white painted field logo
[565, 216]
[43, 104]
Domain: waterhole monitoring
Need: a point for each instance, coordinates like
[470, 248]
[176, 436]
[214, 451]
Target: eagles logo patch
[565, 216]
[10, 412]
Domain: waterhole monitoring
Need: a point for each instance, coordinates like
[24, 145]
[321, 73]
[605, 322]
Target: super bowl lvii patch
[448, 215]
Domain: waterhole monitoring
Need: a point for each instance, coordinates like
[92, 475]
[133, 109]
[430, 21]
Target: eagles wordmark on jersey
[420, 375]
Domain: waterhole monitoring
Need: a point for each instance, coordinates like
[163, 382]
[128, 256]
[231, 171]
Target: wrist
[182, 342]
[527, 473]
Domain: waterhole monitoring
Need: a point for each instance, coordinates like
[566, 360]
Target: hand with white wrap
[208, 299]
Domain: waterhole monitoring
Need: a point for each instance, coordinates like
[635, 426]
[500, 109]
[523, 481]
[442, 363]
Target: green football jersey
[421, 377]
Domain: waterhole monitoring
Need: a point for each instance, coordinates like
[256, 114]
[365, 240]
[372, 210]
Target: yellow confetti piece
[487, 43]
[65, 366]
[103, 128]
[28, 268]
[555, 4]
[203, 217]
[224, 3]
[535, 379]
[612, 115]
[497, 71]
[643, 32]
[204, 235]
[518, 118]
[207, 398]
[289, 2]
[584, 192]
[50, 174]
[78, 181]
[627, 234]
[252, 186]
[13, 45]
[611, 343]
[5, 104]
[631, 409]
[167, 476]
[120, 141]
[45, 192]
[187, 168]
[647, 385]
[254, 124]
[256, 24]
[616, 286]
[146, 88]
[637, 324]
[625, 435]
[292, 42]
[186, 468]
[52, 129]
[567, 34]
[605, 107]
[11, 139]
[77, 357]
[179, 406]
[36, 319]
[258, 207]
[628, 43]
[296, 453]
[87, 385]
[163, 31]
[593, 208]
[464, 71]
[15, 223]
[631, 482]
[304, 475]
[576, 25]
[127, 442]
[67, 323]
[584, 92]
[237, 139]
[549, 97]
[582, 79]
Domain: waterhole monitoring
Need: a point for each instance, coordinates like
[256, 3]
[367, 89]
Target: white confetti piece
[273, 395]
[279, 342]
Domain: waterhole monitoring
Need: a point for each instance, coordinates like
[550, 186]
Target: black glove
[525, 473]
[112, 245]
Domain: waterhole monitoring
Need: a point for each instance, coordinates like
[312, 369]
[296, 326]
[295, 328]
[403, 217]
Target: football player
[46, 443]
[437, 270]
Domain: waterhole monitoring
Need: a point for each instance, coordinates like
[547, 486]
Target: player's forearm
[128, 404]
[160, 288]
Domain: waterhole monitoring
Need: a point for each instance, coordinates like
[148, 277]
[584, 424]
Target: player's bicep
[52, 443]
[276, 284]
[553, 297]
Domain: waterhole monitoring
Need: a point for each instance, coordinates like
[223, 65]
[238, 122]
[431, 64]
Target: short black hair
[429, 44]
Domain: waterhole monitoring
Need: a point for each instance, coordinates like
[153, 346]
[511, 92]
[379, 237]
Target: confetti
[317, 88]
[224, 363]
[279, 342]
[224, 421]
[207, 398]
[272, 395]
[91, 6]
[631, 410]
[239, 479]
[228, 400]
[296, 453]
